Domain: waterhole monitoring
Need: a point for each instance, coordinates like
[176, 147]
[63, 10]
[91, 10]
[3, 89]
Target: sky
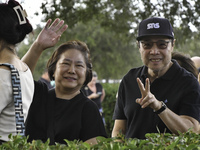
[32, 6]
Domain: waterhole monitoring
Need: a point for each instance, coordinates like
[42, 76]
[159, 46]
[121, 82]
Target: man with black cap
[159, 96]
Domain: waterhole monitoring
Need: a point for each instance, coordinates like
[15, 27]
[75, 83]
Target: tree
[109, 28]
[112, 56]
[123, 16]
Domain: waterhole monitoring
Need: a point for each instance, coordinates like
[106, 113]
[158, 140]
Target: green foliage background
[111, 56]
[108, 105]
[109, 27]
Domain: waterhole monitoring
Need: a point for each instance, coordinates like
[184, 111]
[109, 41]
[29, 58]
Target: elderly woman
[63, 112]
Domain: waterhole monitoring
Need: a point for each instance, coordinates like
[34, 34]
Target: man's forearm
[119, 128]
[177, 123]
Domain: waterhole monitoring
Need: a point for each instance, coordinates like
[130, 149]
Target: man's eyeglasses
[161, 44]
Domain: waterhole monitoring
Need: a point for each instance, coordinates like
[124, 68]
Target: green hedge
[108, 105]
[153, 141]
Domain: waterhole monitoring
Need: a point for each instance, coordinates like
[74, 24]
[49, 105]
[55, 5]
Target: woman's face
[94, 80]
[70, 70]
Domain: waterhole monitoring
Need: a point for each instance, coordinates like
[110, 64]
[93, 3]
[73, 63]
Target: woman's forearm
[32, 56]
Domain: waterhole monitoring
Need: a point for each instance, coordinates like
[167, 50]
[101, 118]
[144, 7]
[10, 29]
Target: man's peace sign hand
[147, 99]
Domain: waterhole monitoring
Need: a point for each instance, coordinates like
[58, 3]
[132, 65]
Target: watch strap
[163, 107]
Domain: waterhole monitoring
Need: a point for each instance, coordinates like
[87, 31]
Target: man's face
[156, 52]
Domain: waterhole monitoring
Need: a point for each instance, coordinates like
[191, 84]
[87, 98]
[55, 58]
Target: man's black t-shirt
[177, 88]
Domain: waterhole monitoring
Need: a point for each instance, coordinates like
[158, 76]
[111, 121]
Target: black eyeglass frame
[157, 44]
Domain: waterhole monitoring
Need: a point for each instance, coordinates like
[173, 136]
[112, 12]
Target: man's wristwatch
[163, 107]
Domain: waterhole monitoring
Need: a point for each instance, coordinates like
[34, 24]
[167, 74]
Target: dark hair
[11, 31]
[75, 44]
[94, 74]
[185, 62]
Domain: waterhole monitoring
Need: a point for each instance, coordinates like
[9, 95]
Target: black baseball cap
[155, 26]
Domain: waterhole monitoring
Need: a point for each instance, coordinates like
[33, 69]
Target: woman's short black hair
[185, 62]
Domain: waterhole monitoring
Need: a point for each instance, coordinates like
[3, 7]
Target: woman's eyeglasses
[161, 44]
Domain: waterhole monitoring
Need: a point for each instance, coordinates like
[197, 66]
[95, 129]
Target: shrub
[155, 141]
[108, 104]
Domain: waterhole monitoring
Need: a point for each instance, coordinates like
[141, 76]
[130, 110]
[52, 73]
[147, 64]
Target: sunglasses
[161, 44]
